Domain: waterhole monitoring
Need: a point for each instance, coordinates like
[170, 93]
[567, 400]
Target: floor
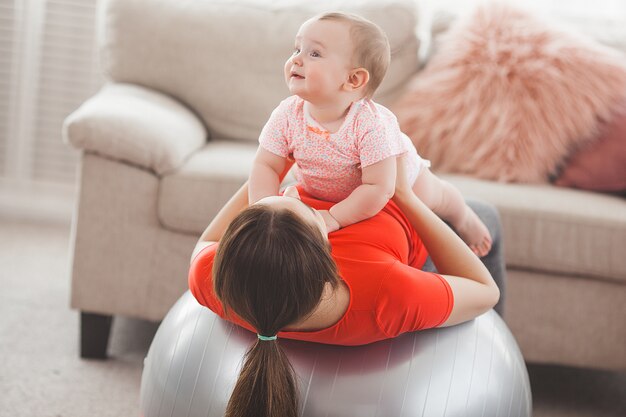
[42, 376]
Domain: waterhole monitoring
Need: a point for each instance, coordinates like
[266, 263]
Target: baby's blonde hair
[371, 46]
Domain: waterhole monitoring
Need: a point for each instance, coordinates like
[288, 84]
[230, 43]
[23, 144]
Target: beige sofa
[172, 135]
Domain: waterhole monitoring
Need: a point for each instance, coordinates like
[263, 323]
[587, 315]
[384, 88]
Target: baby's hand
[331, 223]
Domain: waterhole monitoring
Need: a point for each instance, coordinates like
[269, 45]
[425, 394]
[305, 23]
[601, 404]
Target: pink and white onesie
[328, 165]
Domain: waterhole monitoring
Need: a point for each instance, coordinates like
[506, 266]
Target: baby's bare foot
[474, 232]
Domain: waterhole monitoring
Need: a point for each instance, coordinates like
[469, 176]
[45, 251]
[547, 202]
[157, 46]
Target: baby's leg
[448, 203]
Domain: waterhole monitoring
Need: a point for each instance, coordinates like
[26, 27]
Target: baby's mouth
[296, 76]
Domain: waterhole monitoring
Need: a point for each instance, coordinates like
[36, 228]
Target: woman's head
[335, 50]
[271, 268]
[273, 263]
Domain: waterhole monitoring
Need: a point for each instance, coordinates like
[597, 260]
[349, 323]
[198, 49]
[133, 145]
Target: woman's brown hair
[271, 268]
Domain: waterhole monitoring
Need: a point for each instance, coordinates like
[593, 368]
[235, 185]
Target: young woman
[276, 272]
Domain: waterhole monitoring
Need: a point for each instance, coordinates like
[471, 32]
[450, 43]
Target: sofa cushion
[190, 196]
[553, 229]
[137, 125]
[601, 165]
[199, 51]
[546, 228]
[507, 96]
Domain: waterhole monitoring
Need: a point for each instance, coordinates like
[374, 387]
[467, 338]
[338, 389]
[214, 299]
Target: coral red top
[378, 259]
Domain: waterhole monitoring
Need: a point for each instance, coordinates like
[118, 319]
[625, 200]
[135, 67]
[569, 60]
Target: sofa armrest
[137, 125]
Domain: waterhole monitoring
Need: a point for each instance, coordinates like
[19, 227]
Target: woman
[274, 272]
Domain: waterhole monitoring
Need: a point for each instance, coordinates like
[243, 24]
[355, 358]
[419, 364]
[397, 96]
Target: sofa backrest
[224, 59]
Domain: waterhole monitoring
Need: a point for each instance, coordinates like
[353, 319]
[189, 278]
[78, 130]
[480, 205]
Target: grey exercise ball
[473, 369]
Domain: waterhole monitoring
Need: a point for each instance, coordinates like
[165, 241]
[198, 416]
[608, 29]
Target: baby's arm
[265, 175]
[378, 182]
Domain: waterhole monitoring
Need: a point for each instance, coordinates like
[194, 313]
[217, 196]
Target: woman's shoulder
[200, 277]
[410, 299]
[204, 253]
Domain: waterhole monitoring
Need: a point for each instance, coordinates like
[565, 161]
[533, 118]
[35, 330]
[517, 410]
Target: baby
[345, 145]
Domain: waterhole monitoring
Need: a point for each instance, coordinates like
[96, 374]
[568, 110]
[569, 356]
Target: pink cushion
[600, 166]
[507, 97]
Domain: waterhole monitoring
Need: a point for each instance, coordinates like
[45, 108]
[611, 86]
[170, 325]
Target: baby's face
[321, 61]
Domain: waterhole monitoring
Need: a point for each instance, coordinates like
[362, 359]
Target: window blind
[68, 76]
[48, 68]
[7, 42]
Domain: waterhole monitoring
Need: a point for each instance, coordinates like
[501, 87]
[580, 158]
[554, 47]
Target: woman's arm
[369, 198]
[215, 230]
[239, 201]
[474, 290]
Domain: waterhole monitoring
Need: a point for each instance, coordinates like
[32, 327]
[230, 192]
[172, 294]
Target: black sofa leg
[94, 335]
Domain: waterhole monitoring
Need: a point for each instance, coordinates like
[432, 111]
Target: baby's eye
[296, 51]
[315, 54]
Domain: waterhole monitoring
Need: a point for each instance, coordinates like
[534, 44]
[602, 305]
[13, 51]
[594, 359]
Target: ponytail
[266, 386]
[270, 268]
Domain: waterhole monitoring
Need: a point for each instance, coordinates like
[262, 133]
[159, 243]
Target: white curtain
[47, 68]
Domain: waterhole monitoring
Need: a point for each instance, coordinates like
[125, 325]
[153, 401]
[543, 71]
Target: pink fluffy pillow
[601, 165]
[506, 97]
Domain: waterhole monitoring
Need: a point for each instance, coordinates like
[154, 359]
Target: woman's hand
[403, 187]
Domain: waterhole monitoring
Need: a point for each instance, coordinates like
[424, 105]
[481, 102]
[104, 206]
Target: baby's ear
[358, 78]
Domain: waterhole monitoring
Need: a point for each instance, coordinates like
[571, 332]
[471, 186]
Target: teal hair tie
[266, 338]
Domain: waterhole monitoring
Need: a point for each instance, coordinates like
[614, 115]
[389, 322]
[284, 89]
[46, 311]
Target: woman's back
[378, 259]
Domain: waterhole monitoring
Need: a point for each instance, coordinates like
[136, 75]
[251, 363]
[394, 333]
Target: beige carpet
[41, 374]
